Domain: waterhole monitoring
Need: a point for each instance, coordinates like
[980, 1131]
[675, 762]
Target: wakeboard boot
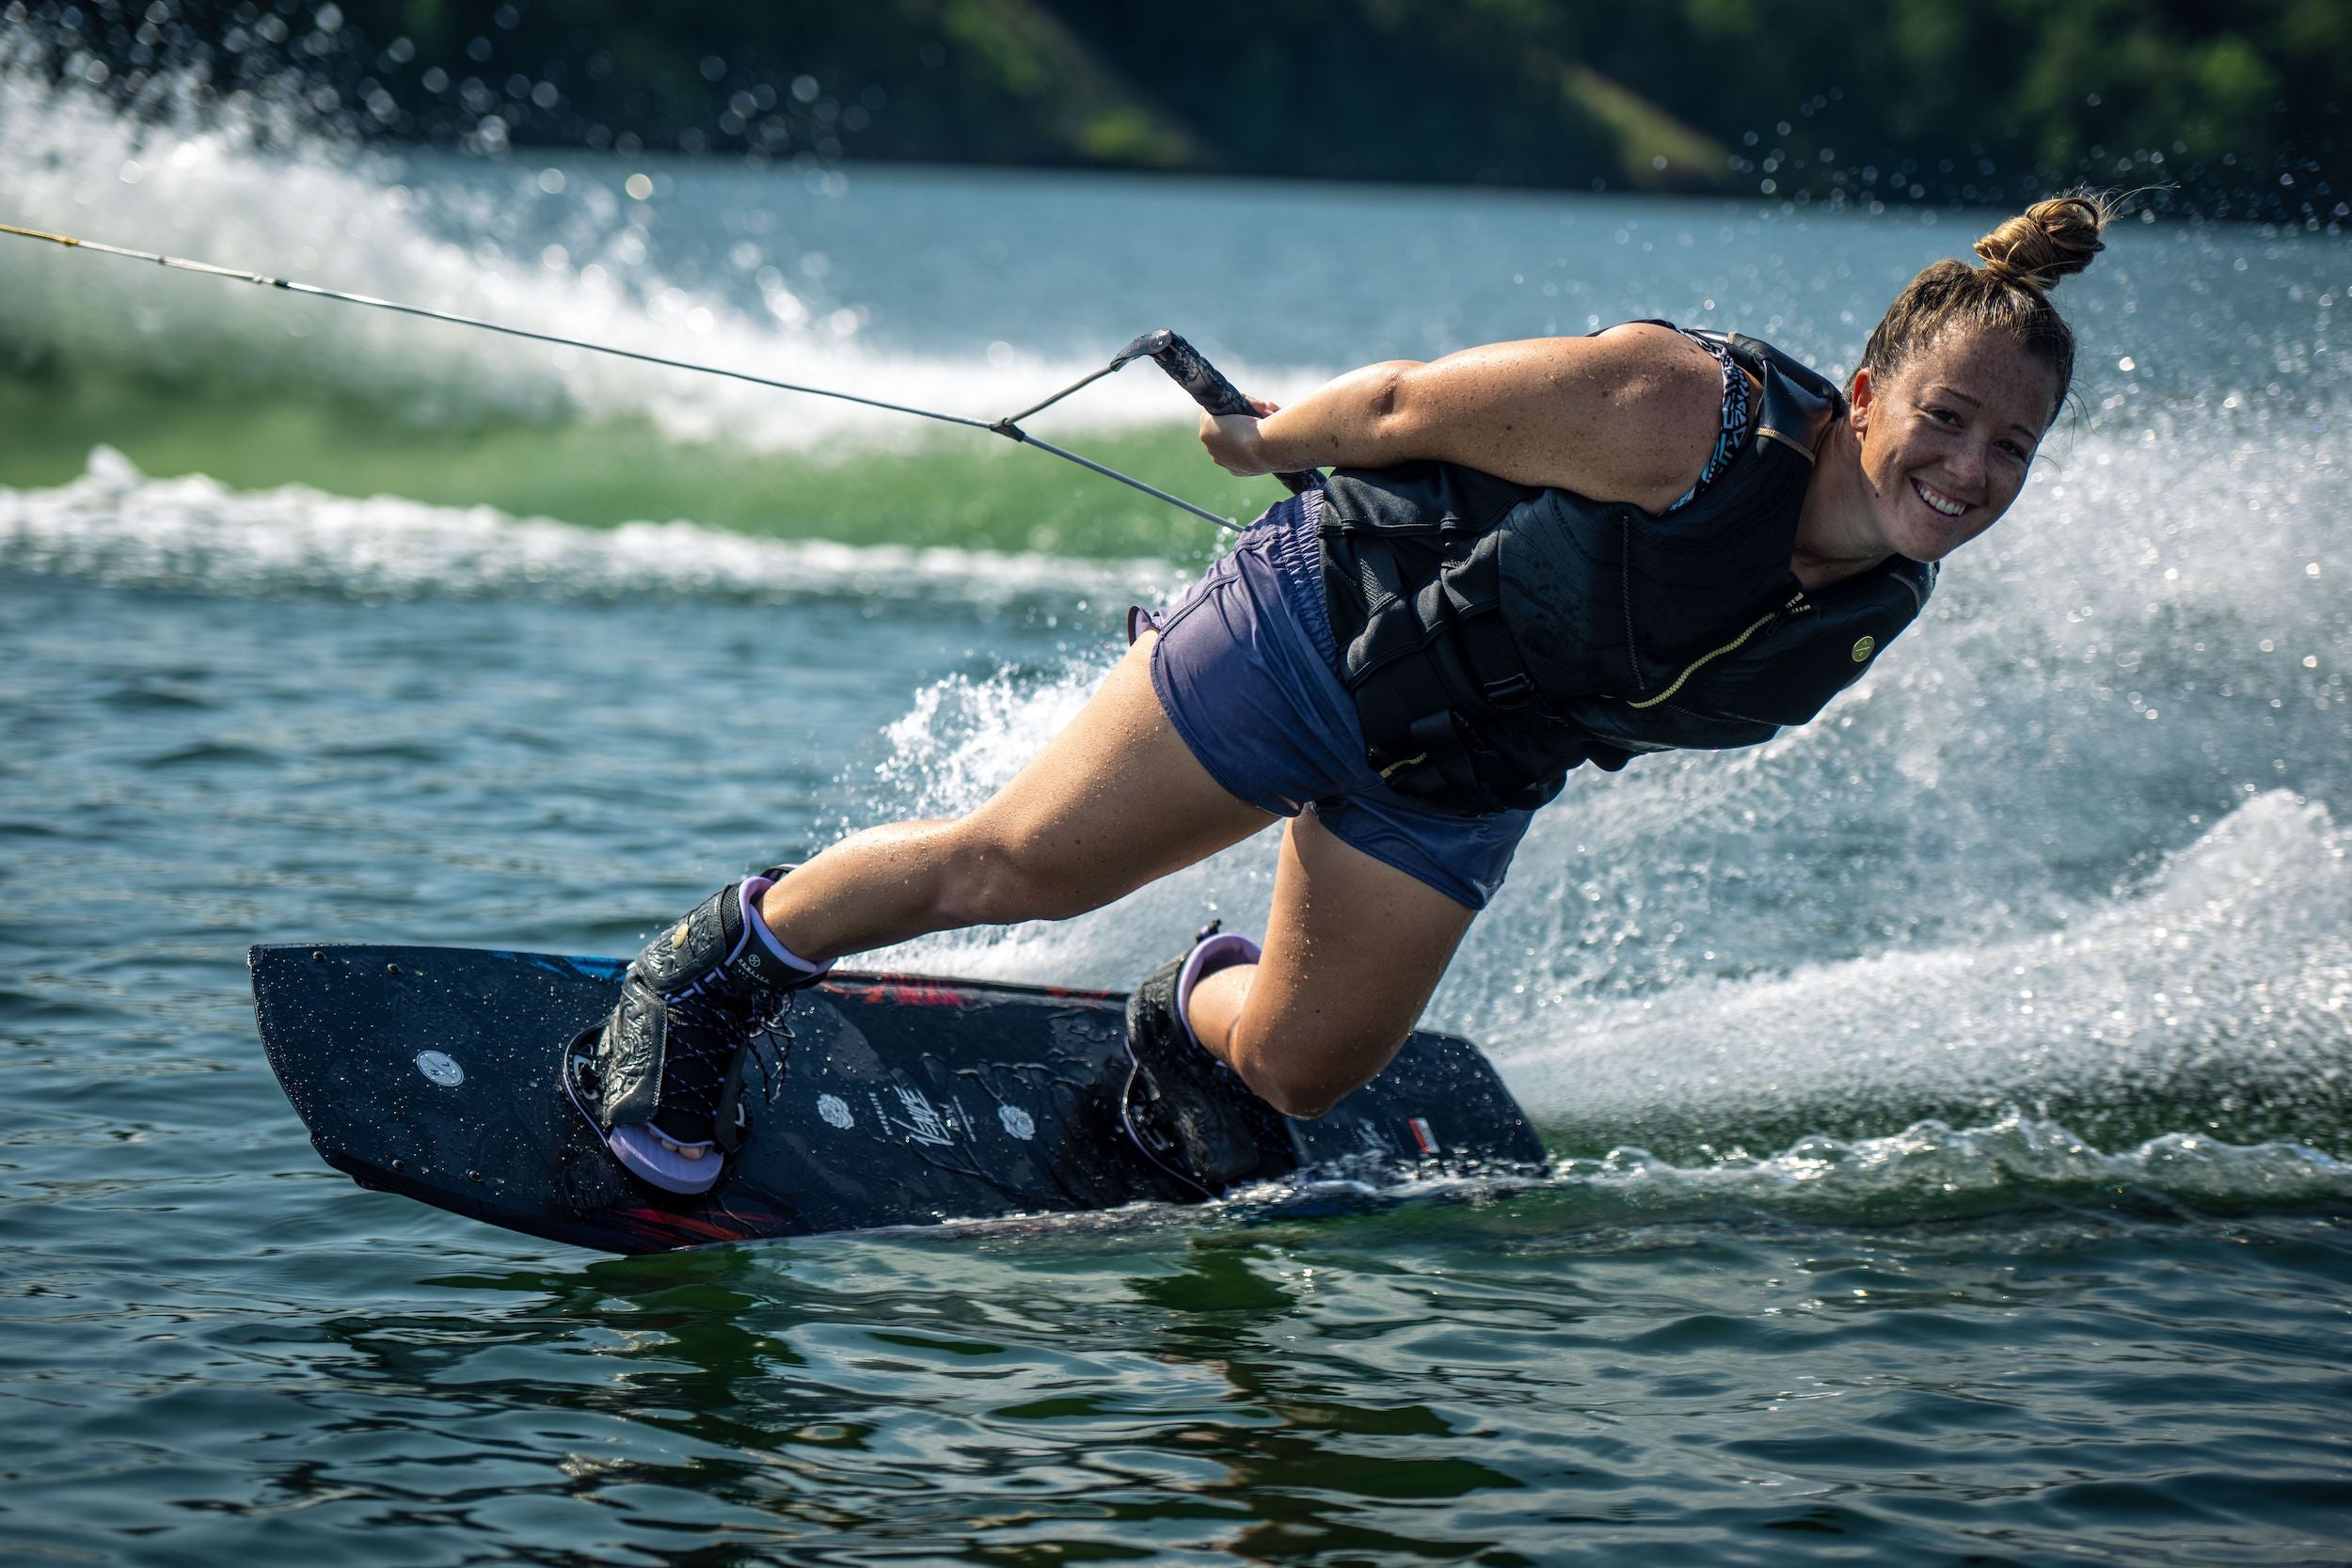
[1190, 1114]
[661, 1078]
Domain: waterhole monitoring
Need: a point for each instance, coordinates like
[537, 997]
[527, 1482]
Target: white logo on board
[1017, 1121]
[924, 1123]
[442, 1069]
[836, 1109]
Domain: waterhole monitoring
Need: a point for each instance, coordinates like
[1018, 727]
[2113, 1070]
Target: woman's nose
[1970, 462]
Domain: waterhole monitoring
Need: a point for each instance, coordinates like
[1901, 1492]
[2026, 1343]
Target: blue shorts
[1248, 671]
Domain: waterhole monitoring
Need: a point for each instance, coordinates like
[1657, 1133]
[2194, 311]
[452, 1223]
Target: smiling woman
[1940, 449]
[1531, 556]
[1957, 385]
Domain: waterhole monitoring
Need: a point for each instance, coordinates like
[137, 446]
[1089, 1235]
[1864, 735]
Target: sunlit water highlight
[1950, 1100]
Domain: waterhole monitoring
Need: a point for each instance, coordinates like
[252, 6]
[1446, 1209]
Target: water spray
[1180, 359]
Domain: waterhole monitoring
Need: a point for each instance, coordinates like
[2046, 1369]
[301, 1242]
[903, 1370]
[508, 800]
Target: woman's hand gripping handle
[1229, 429]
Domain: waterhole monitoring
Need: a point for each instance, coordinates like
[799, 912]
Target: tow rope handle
[1208, 386]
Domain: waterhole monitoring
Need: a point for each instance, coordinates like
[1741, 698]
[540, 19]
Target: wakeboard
[436, 1072]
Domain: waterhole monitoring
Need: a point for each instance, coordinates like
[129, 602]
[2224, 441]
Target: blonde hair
[2024, 259]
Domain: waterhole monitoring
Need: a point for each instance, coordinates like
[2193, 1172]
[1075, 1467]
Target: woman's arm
[1629, 414]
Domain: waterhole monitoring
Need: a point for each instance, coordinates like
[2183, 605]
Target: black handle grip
[1208, 386]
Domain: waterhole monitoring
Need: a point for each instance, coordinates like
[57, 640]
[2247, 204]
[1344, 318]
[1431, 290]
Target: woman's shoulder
[1661, 362]
[1625, 415]
[1669, 403]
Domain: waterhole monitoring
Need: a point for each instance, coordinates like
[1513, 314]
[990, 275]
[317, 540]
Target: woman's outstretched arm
[1629, 414]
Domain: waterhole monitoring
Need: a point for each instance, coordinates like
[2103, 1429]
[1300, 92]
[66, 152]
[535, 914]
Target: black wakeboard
[435, 1073]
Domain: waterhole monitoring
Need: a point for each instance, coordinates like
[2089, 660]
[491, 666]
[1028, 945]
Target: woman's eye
[1943, 415]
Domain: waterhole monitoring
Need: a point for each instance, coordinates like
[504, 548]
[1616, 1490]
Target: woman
[1531, 555]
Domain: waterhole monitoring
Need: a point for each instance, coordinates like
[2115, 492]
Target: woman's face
[1947, 437]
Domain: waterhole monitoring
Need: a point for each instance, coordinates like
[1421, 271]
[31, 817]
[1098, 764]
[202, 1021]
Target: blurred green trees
[2237, 105]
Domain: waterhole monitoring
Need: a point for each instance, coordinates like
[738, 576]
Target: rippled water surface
[1950, 1102]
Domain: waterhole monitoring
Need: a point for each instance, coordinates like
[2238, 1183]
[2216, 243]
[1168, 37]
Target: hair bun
[2051, 240]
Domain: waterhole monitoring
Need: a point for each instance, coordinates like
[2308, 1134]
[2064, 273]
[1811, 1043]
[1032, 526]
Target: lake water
[1950, 1100]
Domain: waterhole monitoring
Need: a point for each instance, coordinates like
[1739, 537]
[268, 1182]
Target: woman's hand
[1235, 442]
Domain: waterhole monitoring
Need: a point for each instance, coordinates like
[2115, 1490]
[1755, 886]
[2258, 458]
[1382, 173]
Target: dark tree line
[2231, 105]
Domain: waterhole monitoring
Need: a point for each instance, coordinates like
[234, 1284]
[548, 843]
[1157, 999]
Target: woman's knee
[1302, 1102]
[1305, 1078]
[1301, 1096]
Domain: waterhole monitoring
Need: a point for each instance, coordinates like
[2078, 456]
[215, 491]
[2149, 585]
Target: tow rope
[1171, 352]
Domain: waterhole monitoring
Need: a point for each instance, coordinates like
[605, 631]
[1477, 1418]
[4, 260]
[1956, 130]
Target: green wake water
[964, 489]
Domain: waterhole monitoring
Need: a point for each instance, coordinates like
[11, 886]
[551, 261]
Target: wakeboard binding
[662, 1077]
[1189, 1113]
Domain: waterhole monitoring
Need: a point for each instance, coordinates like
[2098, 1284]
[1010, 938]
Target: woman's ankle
[773, 909]
[1212, 1004]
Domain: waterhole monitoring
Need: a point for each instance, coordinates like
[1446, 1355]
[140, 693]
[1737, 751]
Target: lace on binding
[722, 1015]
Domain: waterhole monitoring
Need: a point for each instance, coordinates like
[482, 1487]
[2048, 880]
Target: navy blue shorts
[1248, 671]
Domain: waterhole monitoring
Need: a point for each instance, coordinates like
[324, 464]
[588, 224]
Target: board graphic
[433, 1072]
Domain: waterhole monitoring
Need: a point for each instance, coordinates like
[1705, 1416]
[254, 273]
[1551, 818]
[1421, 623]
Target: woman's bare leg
[1352, 950]
[1115, 801]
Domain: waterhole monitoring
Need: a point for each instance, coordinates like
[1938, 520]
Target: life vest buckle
[1517, 692]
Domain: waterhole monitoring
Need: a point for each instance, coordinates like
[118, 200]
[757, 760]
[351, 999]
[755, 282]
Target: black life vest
[1496, 635]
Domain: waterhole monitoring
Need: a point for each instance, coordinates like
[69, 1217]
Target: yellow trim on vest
[1770, 434]
[1733, 646]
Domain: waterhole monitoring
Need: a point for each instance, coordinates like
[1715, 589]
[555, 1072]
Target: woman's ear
[1858, 395]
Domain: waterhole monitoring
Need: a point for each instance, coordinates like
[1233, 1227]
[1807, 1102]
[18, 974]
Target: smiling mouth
[1938, 503]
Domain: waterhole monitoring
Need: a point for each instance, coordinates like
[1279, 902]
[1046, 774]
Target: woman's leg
[1352, 950]
[1115, 801]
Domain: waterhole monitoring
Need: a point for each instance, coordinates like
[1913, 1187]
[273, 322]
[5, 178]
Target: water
[1950, 1100]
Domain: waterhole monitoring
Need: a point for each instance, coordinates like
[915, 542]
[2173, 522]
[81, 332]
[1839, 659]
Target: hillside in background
[2236, 108]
